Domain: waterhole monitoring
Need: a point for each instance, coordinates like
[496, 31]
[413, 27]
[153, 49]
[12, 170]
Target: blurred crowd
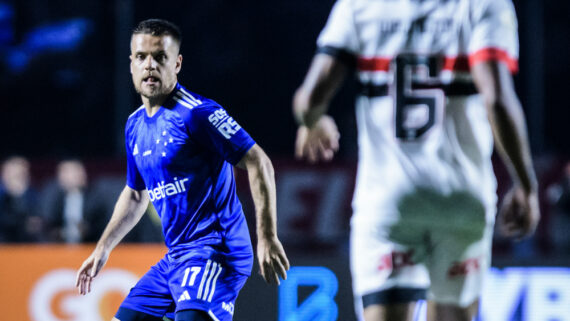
[67, 208]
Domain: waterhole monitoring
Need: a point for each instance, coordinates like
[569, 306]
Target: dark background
[248, 55]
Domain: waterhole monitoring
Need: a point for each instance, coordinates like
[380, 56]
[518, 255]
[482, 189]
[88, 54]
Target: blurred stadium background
[66, 92]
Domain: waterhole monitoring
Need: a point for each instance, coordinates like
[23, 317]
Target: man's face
[155, 63]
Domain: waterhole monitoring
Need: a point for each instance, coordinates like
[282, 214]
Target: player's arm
[519, 214]
[272, 259]
[317, 136]
[129, 209]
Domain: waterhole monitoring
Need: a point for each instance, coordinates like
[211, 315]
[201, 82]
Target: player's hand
[89, 270]
[273, 262]
[318, 143]
[519, 214]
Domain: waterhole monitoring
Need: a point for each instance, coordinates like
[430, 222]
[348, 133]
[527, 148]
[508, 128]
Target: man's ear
[178, 63]
[131, 63]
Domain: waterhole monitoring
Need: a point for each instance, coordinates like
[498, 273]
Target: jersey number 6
[417, 98]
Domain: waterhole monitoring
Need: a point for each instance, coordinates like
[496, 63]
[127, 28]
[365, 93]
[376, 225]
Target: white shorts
[438, 248]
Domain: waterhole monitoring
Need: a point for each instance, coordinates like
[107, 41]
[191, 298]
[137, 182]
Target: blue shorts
[195, 283]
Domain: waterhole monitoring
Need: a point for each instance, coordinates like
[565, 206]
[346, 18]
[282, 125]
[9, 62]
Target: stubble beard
[152, 95]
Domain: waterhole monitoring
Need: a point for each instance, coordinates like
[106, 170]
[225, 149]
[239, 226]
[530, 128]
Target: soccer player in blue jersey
[180, 150]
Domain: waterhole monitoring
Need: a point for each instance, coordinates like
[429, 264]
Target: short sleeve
[494, 33]
[211, 126]
[134, 178]
[339, 37]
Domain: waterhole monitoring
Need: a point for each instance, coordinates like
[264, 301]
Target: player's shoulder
[488, 8]
[188, 103]
[133, 119]
[137, 113]
[134, 116]
[183, 98]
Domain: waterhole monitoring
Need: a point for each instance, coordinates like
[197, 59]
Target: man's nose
[150, 63]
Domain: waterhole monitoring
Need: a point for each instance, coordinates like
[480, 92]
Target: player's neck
[152, 105]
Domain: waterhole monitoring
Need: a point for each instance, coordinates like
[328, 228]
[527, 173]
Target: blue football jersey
[183, 157]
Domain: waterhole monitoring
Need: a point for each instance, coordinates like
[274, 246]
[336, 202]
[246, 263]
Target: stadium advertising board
[38, 285]
[38, 282]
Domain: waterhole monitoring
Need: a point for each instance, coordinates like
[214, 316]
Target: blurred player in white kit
[435, 90]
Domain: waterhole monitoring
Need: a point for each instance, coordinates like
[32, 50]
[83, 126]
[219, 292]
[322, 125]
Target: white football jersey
[421, 123]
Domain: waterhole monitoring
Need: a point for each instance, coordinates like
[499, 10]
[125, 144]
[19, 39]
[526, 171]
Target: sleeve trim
[136, 188]
[345, 56]
[494, 54]
[240, 154]
[374, 64]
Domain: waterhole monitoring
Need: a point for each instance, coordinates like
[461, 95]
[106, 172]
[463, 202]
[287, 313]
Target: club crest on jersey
[225, 124]
[165, 190]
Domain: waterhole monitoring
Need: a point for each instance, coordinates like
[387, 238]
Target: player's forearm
[323, 79]
[262, 184]
[495, 83]
[129, 209]
[509, 129]
[306, 109]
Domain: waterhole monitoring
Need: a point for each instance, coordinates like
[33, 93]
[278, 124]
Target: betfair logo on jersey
[225, 124]
[165, 190]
